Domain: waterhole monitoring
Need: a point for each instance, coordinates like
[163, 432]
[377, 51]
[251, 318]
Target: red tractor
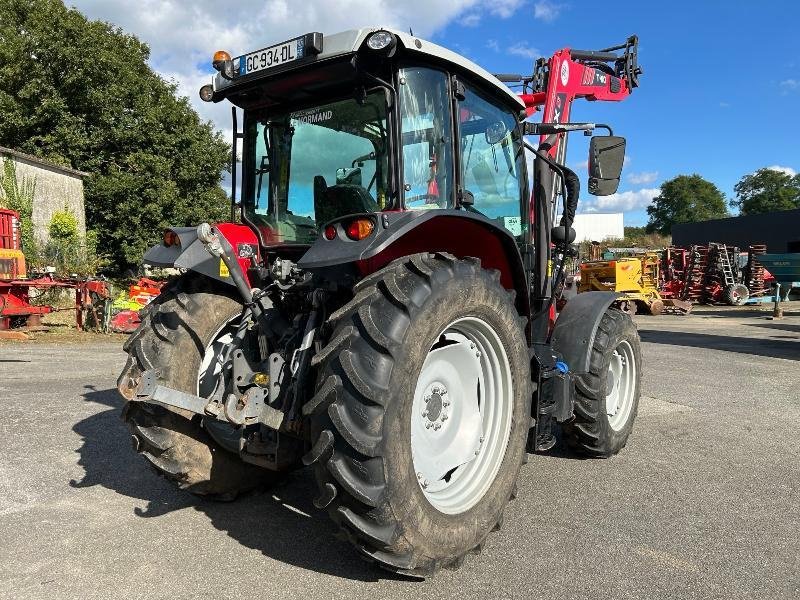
[385, 312]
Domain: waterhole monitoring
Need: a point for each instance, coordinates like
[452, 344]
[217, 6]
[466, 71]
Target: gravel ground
[703, 503]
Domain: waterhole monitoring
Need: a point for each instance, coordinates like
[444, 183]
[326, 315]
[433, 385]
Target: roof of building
[44, 163]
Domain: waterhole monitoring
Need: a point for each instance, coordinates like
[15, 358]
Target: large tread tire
[361, 413]
[175, 330]
[590, 432]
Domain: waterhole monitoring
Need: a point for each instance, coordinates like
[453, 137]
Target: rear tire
[370, 372]
[175, 331]
[607, 397]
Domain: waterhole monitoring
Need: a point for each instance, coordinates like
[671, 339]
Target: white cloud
[547, 11]
[787, 170]
[524, 50]
[790, 85]
[470, 20]
[581, 167]
[493, 45]
[642, 178]
[505, 8]
[620, 202]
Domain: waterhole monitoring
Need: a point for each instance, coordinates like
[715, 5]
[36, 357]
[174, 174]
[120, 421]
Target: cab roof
[350, 42]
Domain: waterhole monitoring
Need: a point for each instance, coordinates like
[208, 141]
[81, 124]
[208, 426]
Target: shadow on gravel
[789, 310]
[777, 325]
[280, 522]
[743, 345]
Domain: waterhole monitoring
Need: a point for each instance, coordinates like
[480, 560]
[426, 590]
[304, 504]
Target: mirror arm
[553, 128]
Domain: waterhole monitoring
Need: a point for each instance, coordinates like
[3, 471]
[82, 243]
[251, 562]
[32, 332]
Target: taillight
[358, 229]
[171, 238]
[330, 232]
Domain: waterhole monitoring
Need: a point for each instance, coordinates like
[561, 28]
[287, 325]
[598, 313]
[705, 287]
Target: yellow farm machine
[635, 279]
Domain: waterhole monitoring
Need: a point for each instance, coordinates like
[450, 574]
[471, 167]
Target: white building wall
[596, 227]
[57, 189]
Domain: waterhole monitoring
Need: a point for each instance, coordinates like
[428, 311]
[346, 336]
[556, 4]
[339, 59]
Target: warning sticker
[223, 269]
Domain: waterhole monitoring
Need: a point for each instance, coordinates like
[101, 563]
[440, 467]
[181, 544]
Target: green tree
[767, 190]
[16, 193]
[67, 250]
[685, 199]
[80, 93]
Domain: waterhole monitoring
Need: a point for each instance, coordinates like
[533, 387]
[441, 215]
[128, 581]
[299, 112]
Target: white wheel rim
[211, 365]
[461, 415]
[225, 434]
[621, 384]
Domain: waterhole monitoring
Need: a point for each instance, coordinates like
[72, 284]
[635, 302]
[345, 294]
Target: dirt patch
[61, 334]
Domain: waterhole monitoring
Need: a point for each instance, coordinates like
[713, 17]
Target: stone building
[57, 188]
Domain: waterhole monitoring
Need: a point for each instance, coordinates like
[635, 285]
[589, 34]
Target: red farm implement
[17, 290]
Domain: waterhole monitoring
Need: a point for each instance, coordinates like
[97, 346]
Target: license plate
[274, 56]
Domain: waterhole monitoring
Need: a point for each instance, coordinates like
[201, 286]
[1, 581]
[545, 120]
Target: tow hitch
[249, 408]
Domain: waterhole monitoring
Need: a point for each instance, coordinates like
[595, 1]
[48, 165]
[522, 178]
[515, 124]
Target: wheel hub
[621, 385]
[461, 415]
[447, 433]
[436, 407]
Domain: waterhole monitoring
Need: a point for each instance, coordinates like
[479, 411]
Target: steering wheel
[421, 197]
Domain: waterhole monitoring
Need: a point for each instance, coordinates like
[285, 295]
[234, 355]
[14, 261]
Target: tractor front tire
[365, 413]
[607, 397]
[175, 331]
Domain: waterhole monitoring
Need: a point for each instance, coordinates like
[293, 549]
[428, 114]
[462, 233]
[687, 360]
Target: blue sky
[719, 97]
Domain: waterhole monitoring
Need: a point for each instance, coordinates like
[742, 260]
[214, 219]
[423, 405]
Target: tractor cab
[370, 121]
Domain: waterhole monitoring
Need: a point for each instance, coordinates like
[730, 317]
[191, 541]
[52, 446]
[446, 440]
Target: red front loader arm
[605, 75]
[571, 74]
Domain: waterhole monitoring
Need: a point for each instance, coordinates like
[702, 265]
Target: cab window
[492, 161]
[426, 139]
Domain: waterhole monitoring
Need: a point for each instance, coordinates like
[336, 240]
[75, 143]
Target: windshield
[311, 166]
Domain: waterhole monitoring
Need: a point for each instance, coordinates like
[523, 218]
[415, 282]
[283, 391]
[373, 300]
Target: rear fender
[399, 234]
[192, 255]
[576, 328]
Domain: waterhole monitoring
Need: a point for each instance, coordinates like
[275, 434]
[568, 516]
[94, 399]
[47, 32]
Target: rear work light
[330, 232]
[206, 92]
[382, 41]
[358, 229]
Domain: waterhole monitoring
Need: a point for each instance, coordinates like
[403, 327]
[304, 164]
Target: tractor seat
[340, 199]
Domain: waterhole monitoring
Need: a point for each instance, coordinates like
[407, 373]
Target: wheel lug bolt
[437, 426]
[444, 416]
[428, 425]
[424, 413]
[446, 403]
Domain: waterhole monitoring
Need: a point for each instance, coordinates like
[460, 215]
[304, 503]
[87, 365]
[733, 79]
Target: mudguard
[399, 234]
[191, 254]
[576, 328]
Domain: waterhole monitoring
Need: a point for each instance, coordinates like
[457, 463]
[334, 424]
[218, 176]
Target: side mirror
[348, 176]
[606, 155]
[496, 132]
